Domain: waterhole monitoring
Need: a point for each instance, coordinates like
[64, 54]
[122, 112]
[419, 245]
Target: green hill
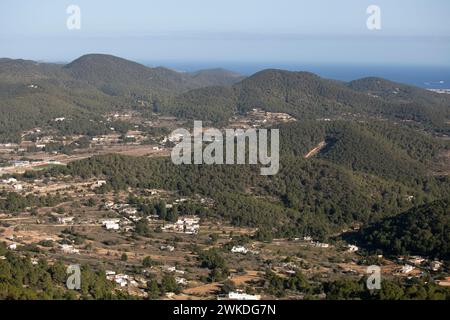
[421, 231]
[32, 93]
[308, 96]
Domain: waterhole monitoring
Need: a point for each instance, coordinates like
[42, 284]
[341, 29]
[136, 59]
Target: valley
[86, 178]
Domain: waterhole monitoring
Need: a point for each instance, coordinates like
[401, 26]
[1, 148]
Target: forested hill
[422, 231]
[308, 96]
[118, 76]
[317, 197]
[33, 93]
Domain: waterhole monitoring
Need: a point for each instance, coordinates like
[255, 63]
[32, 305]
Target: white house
[112, 224]
[67, 248]
[167, 248]
[242, 296]
[436, 265]
[321, 245]
[239, 249]
[407, 269]
[181, 281]
[9, 180]
[98, 184]
[65, 220]
[416, 260]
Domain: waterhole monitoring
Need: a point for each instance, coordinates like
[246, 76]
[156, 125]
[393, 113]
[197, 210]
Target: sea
[428, 77]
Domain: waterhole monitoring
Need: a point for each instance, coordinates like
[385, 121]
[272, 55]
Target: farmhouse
[239, 249]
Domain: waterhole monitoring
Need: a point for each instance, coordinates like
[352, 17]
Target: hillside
[402, 93]
[421, 231]
[32, 93]
[308, 96]
[117, 76]
[217, 77]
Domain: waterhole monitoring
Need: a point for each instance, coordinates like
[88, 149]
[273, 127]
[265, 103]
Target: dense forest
[424, 230]
[347, 289]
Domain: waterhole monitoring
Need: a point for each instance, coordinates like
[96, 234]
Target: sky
[413, 32]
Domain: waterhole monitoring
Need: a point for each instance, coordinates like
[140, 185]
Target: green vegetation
[14, 202]
[21, 280]
[421, 231]
[34, 94]
[366, 174]
[347, 289]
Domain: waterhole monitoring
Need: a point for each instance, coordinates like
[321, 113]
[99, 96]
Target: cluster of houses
[415, 262]
[261, 117]
[178, 279]
[311, 241]
[123, 280]
[288, 268]
[12, 183]
[105, 139]
[130, 215]
[187, 225]
[123, 208]
[132, 284]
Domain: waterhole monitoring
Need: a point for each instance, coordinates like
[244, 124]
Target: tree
[148, 262]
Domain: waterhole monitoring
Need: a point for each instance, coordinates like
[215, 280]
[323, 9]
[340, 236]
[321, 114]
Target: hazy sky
[413, 32]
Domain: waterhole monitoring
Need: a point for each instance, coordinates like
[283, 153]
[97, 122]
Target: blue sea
[430, 77]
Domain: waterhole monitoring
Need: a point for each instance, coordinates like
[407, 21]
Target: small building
[242, 296]
[18, 187]
[65, 220]
[321, 245]
[416, 260]
[181, 281]
[167, 248]
[98, 184]
[67, 248]
[436, 265]
[112, 224]
[239, 249]
[9, 181]
[407, 269]
[130, 211]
